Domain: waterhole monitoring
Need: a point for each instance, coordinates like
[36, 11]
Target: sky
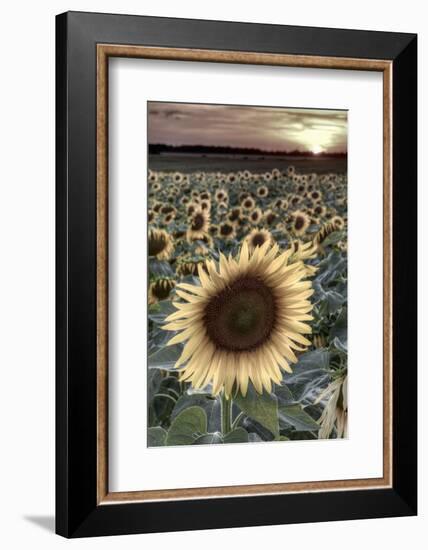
[267, 128]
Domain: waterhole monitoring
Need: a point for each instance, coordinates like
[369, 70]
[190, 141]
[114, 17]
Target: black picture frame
[77, 511]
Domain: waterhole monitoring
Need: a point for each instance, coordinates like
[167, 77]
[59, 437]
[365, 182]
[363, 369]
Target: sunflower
[221, 195]
[169, 218]
[248, 203]
[244, 322]
[255, 216]
[320, 210]
[226, 230]
[160, 244]
[258, 237]
[231, 178]
[178, 177]
[192, 208]
[151, 214]
[213, 230]
[188, 266]
[160, 289]
[338, 222]
[234, 215]
[295, 200]
[291, 171]
[300, 222]
[153, 176]
[198, 224]
[262, 191]
[269, 217]
[316, 195]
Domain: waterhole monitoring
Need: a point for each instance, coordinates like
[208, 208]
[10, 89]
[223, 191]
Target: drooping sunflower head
[258, 237]
[199, 223]
[300, 222]
[160, 289]
[188, 265]
[160, 244]
[244, 322]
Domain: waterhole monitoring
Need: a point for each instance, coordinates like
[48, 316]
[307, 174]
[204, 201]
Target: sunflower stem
[226, 414]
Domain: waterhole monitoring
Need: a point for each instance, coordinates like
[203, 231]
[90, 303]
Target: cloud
[263, 127]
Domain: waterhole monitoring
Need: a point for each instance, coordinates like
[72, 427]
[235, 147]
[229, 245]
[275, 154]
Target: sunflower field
[247, 315]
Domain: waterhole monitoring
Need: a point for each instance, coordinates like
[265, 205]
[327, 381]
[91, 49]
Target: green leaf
[284, 395]
[163, 403]
[262, 408]
[333, 238]
[334, 301]
[156, 437]
[154, 378]
[297, 417]
[209, 439]
[158, 312]
[187, 426]
[340, 328]
[160, 268]
[238, 435]
[165, 358]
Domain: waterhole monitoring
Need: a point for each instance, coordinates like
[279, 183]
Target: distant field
[232, 163]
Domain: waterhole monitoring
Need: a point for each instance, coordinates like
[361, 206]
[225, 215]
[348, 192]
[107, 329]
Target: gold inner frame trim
[104, 51]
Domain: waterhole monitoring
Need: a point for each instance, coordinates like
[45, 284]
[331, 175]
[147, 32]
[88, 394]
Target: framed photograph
[236, 274]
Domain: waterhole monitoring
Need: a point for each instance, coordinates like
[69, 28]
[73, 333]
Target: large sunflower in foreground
[244, 322]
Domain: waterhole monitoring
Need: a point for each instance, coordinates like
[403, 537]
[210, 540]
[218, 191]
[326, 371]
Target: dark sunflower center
[241, 317]
[258, 239]
[156, 244]
[247, 204]
[299, 223]
[226, 229]
[270, 219]
[198, 222]
[162, 289]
